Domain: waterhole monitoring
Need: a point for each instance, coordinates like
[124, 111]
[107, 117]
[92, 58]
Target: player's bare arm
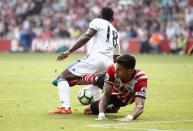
[138, 110]
[105, 97]
[80, 42]
[139, 106]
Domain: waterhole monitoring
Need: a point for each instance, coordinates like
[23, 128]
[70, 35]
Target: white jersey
[106, 40]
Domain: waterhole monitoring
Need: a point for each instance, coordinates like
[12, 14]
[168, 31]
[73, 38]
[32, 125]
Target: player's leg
[94, 79]
[113, 105]
[82, 67]
[102, 62]
[64, 89]
[85, 68]
[97, 81]
[97, 85]
[85, 80]
[64, 92]
[92, 109]
[55, 81]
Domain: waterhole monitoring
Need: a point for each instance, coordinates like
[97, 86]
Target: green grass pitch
[26, 95]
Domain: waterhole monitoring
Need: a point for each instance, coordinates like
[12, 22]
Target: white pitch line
[120, 125]
[129, 128]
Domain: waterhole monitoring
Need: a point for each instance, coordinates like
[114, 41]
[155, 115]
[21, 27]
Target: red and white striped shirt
[127, 91]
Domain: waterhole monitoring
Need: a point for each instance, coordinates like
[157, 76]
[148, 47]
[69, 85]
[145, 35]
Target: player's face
[121, 71]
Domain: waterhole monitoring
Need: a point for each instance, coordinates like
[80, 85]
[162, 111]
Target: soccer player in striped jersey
[122, 85]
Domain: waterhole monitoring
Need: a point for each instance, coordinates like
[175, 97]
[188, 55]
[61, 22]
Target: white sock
[64, 93]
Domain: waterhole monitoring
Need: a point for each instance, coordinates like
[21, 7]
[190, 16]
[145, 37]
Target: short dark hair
[107, 13]
[128, 61]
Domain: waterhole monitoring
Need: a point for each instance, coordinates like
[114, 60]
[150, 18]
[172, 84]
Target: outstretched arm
[104, 99]
[138, 110]
[139, 106]
[79, 43]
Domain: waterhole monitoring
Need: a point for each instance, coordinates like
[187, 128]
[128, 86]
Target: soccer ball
[85, 96]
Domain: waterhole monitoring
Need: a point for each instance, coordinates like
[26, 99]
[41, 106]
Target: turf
[26, 95]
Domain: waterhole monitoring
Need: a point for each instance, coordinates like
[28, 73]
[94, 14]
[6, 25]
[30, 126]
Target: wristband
[130, 117]
[101, 115]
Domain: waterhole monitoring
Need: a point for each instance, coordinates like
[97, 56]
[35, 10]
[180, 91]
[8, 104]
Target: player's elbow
[87, 37]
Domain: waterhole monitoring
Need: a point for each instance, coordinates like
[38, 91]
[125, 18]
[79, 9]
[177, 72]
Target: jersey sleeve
[109, 76]
[94, 24]
[140, 88]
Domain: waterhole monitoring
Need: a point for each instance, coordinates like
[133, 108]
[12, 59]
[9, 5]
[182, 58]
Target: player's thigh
[106, 62]
[103, 62]
[94, 107]
[114, 104]
[66, 74]
[88, 65]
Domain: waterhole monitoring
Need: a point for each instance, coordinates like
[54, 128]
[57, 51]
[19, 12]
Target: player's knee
[88, 111]
[112, 109]
[61, 76]
[99, 80]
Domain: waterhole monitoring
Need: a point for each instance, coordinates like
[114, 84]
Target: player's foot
[55, 82]
[61, 110]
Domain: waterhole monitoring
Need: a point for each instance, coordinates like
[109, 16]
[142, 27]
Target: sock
[85, 80]
[55, 82]
[64, 93]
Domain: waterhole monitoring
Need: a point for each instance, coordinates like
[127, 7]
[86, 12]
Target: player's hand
[124, 119]
[63, 55]
[101, 116]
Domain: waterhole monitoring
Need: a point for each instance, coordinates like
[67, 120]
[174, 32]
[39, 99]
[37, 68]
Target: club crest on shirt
[117, 82]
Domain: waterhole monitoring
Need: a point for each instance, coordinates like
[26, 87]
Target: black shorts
[113, 105]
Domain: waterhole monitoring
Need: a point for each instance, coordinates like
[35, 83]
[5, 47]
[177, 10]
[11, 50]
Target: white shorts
[94, 63]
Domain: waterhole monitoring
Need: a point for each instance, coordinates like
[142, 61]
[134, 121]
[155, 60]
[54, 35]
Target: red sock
[85, 80]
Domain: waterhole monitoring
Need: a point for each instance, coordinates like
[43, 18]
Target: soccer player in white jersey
[103, 49]
[122, 85]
